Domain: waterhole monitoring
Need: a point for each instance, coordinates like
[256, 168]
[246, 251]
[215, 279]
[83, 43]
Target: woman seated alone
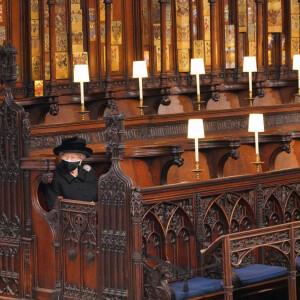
[71, 179]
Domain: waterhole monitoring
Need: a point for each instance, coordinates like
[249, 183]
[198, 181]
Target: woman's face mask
[70, 166]
[71, 161]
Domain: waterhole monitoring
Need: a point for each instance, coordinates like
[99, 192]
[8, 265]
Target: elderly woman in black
[71, 179]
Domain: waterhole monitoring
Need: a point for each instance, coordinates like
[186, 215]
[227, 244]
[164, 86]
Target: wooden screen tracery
[281, 205]
[153, 237]
[168, 234]
[228, 213]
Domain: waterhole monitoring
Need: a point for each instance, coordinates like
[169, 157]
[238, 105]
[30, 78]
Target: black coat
[84, 187]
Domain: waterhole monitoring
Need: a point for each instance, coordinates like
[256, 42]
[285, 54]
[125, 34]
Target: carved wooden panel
[14, 210]
[78, 221]
[168, 233]
[281, 205]
[228, 213]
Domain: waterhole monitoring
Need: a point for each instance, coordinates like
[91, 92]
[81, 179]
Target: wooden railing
[236, 246]
[180, 220]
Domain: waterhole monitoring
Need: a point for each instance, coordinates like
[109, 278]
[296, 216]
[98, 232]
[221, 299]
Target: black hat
[73, 145]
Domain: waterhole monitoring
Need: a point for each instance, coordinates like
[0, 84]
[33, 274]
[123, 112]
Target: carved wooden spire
[114, 132]
[8, 65]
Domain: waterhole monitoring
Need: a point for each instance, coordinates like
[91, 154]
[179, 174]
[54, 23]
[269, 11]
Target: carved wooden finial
[114, 132]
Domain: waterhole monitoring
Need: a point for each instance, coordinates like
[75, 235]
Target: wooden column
[259, 38]
[163, 40]
[93, 49]
[227, 278]
[163, 44]
[108, 88]
[215, 41]
[138, 30]
[292, 266]
[52, 38]
[136, 208]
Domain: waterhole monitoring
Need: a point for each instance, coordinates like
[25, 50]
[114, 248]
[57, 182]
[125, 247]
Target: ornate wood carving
[78, 246]
[115, 227]
[113, 241]
[114, 294]
[9, 277]
[15, 212]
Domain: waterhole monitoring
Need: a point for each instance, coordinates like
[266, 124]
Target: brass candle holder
[249, 65]
[256, 125]
[197, 170]
[258, 163]
[141, 107]
[196, 131]
[140, 72]
[81, 75]
[251, 99]
[83, 111]
[197, 68]
[198, 102]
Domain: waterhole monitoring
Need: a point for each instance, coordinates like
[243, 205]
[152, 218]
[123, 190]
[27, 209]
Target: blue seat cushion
[257, 273]
[198, 286]
[298, 264]
[298, 261]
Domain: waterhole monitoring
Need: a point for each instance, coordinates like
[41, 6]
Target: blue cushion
[257, 273]
[298, 261]
[198, 286]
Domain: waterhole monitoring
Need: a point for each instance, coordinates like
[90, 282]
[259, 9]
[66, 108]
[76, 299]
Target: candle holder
[196, 131]
[81, 75]
[140, 72]
[197, 68]
[251, 99]
[256, 125]
[141, 107]
[257, 163]
[197, 170]
[198, 102]
[249, 65]
[83, 112]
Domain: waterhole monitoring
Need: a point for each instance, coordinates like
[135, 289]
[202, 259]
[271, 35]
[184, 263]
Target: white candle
[196, 150]
[250, 81]
[256, 143]
[81, 92]
[198, 84]
[141, 87]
